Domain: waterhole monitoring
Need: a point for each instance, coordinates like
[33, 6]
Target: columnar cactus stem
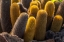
[41, 21]
[5, 16]
[30, 29]
[14, 12]
[20, 25]
[57, 23]
[13, 1]
[33, 11]
[50, 9]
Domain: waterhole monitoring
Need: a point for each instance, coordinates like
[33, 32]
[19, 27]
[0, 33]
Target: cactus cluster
[32, 19]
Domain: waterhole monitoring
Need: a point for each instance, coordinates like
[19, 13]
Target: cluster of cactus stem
[33, 23]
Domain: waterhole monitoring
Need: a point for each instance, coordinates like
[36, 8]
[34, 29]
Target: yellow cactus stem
[43, 2]
[20, 25]
[34, 0]
[41, 21]
[50, 8]
[31, 4]
[33, 11]
[13, 1]
[37, 0]
[14, 12]
[37, 3]
[57, 23]
[34, 3]
[30, 29]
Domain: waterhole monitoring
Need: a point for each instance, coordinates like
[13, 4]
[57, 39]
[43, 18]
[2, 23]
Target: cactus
[20, 24]
[13, 1]
[5, 16]
[43, 2]
[34, 0]
[60, 10]
[41, 21]
[30, 29]
[33, 10]
[0, 26]
[22, 8]
[26, 3]
[37, 3]
[50, 8]
[33, 3]
[57, 3]
[14, 12]
[37, 0]
[57, 23]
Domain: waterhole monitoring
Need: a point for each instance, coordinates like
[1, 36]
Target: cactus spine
[20, 25]
[41, 21]
[30, 29]
[56, 24]
[14, 12]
